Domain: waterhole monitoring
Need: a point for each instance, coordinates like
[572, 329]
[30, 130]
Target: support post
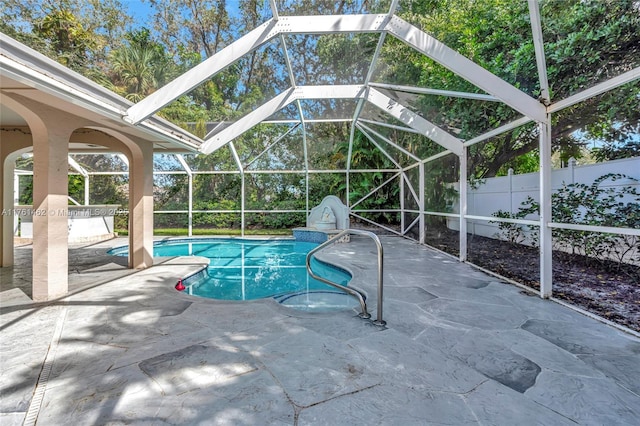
[463, 205]
[190, 206]
[242, 202]
[86, 190]
[422, 222]
[50, 213]
[141, 208]
[402, 213]
[16, 196]
[7, 218]
[546, 241]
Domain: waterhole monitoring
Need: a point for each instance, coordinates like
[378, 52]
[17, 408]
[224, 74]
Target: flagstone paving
[460, 347]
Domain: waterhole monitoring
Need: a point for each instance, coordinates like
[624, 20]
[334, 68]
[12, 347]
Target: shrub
[596, 205]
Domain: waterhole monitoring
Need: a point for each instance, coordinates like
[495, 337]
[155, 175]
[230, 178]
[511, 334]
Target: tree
[139, 68]
[77, 33]
[585, 43]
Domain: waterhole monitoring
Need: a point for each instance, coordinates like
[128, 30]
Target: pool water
[242, 269]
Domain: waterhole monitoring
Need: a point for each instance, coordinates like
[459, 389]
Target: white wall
[507, 192]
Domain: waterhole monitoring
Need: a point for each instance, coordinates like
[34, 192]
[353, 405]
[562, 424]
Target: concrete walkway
[460, 347]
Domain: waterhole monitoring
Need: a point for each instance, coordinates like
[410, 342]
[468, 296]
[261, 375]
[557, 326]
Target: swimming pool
[243, 269]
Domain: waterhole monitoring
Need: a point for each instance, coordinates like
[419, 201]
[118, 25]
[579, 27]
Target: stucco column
[7, 218]
[50, 221]
[141, 207]
[14, 142]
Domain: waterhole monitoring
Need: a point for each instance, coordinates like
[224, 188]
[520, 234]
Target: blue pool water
[242, 269]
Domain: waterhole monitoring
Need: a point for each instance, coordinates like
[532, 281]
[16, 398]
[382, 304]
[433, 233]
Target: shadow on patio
[460, 347]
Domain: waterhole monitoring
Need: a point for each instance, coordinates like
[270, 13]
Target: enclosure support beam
[74, 164]
[415, 121]
[387, 140]
[538, 43]
[377, 145]
[306, 164]
[498, 131]
[274, 105]
[201, 72]
[250, 120]
[87, 191]
[596, 90]
[546, 242]
[352, 134]
[190, 205]
[331, 24]
[437, 92]
[236, 158]
[186, 167]
[466, 69]
[463, 205]
[422, 225]
[403, 176]
[242, 203]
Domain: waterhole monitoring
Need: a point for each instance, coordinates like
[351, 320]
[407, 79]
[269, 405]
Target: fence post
[572, 165]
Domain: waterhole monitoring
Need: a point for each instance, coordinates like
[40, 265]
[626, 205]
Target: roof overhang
[25, 72]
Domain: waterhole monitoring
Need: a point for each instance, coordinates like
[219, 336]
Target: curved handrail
[351, 291]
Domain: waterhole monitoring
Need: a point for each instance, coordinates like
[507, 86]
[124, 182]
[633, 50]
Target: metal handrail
[355, 293]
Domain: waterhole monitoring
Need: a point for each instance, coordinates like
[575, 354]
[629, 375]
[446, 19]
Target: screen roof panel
[330, 59]
[331, 7]
[494, 35]
[588, 42]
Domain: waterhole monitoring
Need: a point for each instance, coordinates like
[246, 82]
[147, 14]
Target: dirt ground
[605, 289]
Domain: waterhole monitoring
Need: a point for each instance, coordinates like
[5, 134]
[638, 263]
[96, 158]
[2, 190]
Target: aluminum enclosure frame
[368, 93]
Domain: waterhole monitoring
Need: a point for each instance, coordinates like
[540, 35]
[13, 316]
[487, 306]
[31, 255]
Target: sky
[140, 11]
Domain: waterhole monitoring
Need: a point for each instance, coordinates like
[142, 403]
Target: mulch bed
[606, 289]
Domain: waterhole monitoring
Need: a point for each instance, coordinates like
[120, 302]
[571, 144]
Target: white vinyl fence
[506, 193]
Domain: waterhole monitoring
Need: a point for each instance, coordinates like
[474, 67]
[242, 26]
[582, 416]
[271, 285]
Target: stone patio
[460, 347]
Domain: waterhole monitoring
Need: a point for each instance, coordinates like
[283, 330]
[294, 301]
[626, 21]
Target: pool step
[318, 301]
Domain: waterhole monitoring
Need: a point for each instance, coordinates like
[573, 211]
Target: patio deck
[460, 347]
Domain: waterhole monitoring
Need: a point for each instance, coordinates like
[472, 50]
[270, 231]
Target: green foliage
[440, 195]
[139, 68]
[76, 188]
[104, 189]
[516, 233]
[594, 204]
[616, 151]
[274, 220]
[216, 220]
[598, 38]
[76, 33]
[26, 190]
